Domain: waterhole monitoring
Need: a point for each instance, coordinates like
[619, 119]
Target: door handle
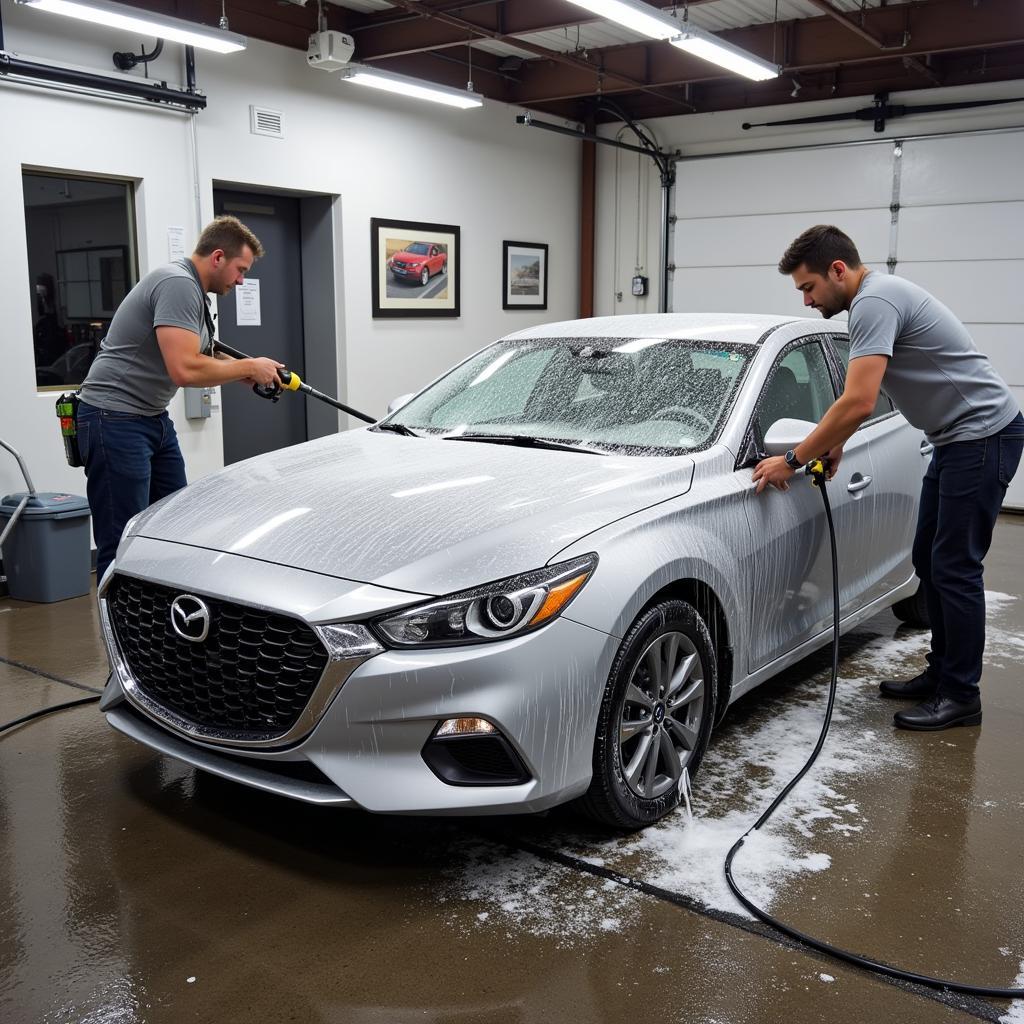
[927, 448]
[856, 484]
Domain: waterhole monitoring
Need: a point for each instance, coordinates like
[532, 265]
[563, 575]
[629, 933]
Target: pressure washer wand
[290, 381]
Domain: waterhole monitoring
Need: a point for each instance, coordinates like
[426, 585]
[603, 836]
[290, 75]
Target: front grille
[253, 674]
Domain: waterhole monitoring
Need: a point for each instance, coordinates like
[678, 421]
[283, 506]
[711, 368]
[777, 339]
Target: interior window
[841, 344]
[81, 262]
[800, 388]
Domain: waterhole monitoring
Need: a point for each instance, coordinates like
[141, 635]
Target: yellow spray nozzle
[818, 472]
[291, 382]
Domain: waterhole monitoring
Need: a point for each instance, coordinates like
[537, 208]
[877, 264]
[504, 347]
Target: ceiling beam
[285, 24]
[853, 26]
[592, 72]
[382, 36]
[913, 64]
[854, 82]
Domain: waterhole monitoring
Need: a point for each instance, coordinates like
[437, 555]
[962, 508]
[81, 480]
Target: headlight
[496, 611]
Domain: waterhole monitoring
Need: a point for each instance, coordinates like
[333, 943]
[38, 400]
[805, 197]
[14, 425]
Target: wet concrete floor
[133, 888]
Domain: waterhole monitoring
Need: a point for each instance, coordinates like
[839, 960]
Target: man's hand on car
[775, 471]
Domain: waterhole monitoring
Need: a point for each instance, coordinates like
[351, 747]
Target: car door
[791, 598]
[899, 457]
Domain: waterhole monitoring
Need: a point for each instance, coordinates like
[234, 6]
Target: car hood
[409, 258]
[416, 514]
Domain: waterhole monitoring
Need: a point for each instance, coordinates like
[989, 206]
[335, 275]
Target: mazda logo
[190, 618]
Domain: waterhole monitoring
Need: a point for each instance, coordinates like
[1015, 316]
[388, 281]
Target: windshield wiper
[398, 428]
[524, 441]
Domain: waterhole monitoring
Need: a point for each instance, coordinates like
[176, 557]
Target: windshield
[418, 248]
[650, 396]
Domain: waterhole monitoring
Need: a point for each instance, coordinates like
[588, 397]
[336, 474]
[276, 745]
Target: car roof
[737, 328]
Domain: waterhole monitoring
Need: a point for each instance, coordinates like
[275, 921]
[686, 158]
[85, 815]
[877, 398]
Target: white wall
[383, 156]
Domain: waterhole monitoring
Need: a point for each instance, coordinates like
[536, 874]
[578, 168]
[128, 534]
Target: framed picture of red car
[524, 278]
[415, 268]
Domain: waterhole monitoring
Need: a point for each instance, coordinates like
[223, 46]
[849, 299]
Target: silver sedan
[543, 578]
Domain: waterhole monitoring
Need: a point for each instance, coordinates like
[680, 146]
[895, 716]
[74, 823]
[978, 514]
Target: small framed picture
[524, 275]
[415, 268]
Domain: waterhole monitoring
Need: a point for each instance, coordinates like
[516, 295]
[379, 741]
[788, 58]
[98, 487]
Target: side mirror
[785, 434]
[397, 403]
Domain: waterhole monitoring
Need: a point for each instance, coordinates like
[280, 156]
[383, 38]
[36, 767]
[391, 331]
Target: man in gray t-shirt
[936, 377]
[159, 340]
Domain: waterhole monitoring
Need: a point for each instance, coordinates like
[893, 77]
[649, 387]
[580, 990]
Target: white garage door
[958, 230]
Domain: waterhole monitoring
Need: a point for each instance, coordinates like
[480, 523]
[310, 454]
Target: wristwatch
[792, 461]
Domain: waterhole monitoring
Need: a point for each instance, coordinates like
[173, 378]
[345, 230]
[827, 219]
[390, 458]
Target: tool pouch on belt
[67, 413]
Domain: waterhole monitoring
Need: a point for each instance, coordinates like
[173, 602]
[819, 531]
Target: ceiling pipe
[19, 69]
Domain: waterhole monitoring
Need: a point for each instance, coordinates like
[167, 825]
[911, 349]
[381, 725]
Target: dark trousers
[130, 462]
[962, 492]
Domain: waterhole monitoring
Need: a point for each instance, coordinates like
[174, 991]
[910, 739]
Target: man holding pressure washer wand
[937, 378]
[159, 340]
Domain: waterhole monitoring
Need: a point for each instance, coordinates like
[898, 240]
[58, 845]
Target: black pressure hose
[817, 471]
[48, 711]
[292, 382]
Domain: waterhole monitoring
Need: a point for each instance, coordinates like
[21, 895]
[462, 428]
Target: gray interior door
[253, 425]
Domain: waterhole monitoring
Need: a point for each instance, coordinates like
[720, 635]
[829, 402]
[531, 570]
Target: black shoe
[919, 688]
[940, 712]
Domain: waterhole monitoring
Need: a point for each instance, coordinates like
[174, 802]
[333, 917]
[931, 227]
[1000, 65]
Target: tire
[425, 276]
[913, 610]
[444, 268]
[628, 790]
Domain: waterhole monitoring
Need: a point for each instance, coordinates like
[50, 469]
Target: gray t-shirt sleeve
[875, 324]
[176, 304]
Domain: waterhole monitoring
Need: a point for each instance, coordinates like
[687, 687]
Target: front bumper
[542, 691]
[407, 271]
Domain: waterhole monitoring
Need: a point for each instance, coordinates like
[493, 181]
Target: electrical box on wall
[639, 285]
[198, 403]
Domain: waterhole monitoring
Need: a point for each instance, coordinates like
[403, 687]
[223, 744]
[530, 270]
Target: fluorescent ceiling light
[406, 86]
[709, 47]
[649, 21]
[106, 12]
[640, 17]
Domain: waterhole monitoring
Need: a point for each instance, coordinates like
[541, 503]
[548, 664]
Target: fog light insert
[473, 752]
[465, 727]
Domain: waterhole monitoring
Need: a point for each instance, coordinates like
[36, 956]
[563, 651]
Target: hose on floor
[47, 711]
[817, 470]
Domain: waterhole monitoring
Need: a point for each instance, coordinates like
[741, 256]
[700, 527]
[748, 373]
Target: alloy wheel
[660, 722]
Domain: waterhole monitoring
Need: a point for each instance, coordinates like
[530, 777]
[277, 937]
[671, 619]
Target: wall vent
[263, 121]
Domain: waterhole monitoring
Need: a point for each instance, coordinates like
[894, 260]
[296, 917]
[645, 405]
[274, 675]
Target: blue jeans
[962, 492]
[130, 462]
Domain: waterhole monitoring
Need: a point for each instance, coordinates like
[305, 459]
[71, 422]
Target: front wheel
[425, 276]
[655, 719]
